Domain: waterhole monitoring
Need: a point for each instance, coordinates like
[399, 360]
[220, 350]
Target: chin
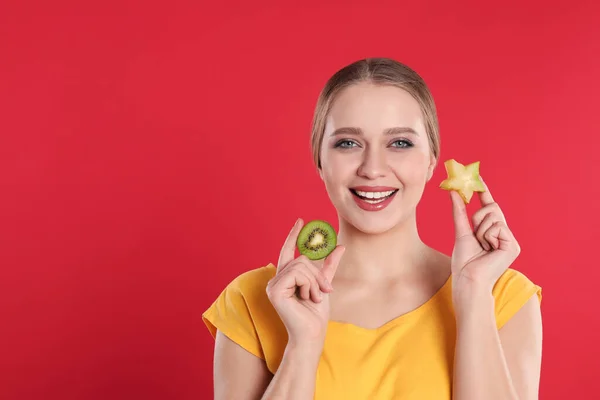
[372, 226]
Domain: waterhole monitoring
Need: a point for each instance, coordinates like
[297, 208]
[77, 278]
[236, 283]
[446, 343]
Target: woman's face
[375, 156]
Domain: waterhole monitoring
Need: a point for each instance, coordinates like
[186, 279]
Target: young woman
[384, 316]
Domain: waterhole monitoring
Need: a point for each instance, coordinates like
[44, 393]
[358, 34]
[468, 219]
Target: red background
[149, 153]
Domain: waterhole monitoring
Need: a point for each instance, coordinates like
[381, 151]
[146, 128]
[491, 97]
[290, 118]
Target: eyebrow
[359, 132]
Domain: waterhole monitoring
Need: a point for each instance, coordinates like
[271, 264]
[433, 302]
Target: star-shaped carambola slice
[463, 178]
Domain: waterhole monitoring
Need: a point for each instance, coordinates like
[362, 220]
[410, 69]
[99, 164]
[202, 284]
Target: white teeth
[374, 201]
[374, 195]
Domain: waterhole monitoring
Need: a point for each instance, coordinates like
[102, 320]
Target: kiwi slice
[316, 240]
[463, 178]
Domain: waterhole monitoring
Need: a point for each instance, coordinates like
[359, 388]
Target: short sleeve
[236, 311]
[512, 290]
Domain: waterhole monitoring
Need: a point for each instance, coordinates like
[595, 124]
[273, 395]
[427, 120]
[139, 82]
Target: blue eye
[348, 144]
[402, 143]
[344, 144]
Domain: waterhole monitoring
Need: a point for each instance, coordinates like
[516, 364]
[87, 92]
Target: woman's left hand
[483, 253]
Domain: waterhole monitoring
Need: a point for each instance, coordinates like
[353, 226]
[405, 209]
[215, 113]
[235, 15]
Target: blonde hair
[381, 71]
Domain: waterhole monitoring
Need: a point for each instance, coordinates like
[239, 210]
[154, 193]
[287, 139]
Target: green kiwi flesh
[316, 240]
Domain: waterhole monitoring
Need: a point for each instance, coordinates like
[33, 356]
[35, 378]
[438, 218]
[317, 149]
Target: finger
[332, 261]
[483, 230]
[480, 214]
[286, 284]
[492, 235]
[505, 238]
[295, 281]
[485, 197]
[322, 282]
[315, 293]
[462, 227]
[289, 247]
[304, 291]
[311, 273]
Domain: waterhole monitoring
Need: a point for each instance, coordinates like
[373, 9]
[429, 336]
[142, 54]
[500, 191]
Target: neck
[373, 257]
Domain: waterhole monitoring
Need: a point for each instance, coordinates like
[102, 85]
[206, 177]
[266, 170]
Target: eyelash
[407, 143]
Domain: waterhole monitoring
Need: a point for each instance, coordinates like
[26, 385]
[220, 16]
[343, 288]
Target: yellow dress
[410, 357]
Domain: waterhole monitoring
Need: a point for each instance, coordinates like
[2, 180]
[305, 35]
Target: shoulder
[240, 300]
[512, 291]
[251, 284]
[243, 313]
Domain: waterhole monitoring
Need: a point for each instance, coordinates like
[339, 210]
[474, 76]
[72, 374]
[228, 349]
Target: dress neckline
[403, 318]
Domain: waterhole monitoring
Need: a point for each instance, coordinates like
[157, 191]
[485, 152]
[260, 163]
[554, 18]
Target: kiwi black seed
[316, 240]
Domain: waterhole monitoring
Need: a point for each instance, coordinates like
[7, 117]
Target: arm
[295, 377]
[492, 364]
[240, 375]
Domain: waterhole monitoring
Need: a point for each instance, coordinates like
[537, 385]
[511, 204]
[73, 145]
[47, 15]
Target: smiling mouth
[373, 197]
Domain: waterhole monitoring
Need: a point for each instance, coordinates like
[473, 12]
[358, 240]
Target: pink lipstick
[373, 198]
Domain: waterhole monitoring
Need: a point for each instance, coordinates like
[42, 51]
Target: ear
[320, 172]
[431, 168]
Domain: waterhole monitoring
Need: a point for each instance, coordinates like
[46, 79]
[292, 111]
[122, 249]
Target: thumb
[332, 261]
[462, 226]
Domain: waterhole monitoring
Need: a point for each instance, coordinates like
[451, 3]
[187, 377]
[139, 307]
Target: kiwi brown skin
[316, 240]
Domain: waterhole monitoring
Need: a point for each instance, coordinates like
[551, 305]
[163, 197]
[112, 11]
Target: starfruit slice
[463, 178]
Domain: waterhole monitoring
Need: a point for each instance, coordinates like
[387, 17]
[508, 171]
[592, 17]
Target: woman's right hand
[299, 292]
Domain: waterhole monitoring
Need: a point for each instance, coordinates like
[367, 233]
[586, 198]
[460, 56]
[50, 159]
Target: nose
[373, 165]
